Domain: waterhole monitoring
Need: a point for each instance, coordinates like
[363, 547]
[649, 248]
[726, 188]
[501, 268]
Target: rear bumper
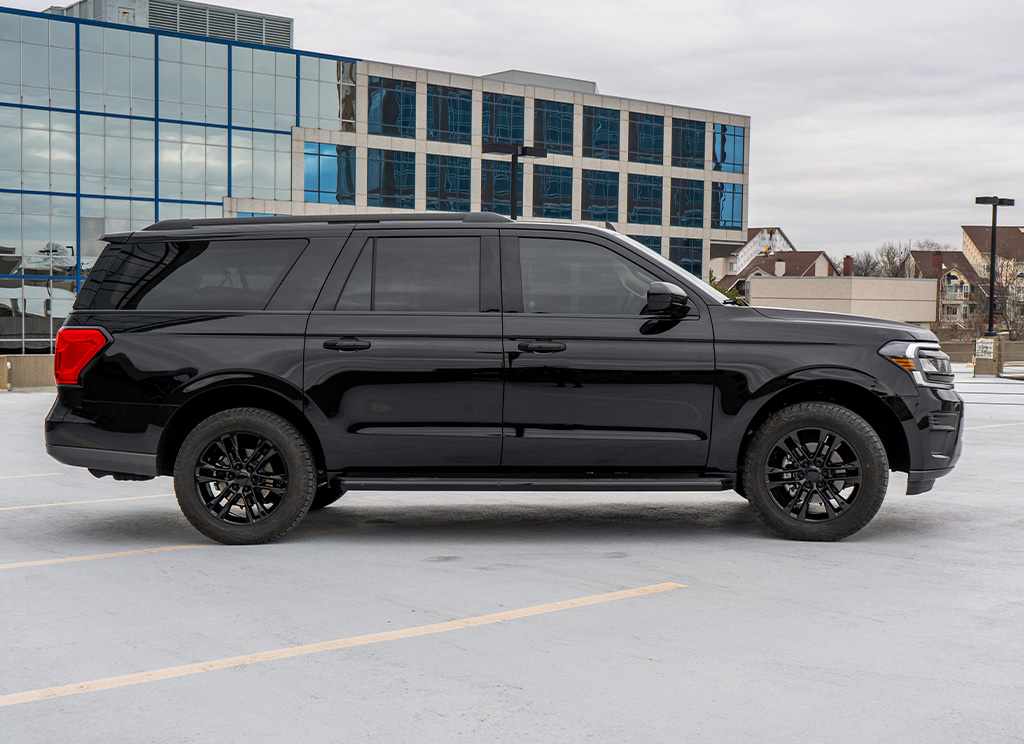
[112, 461]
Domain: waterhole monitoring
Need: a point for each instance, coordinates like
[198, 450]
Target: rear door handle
[346, 344]
[541, 347]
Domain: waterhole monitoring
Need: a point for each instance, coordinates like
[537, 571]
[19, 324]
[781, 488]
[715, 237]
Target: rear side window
[419, 275]
[193, 275]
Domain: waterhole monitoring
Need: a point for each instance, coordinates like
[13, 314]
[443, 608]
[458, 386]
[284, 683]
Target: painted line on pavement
[76, 559]
[33, 475]
[993, 426]
[87, 501]
[315, 648]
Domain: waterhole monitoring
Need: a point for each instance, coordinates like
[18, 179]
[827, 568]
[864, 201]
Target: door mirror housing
[667, 299]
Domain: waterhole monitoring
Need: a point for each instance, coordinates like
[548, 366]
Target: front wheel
[244, 476]
[815, 471]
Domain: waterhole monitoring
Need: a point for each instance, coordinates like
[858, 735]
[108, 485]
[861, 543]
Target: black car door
[403, 366]
[591, 383]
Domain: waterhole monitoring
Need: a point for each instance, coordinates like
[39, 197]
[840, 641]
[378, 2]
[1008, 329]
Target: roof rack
[188, 224]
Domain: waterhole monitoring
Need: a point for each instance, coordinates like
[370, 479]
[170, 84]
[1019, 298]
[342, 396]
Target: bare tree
[865, 263]
[931, 245]
[892, 259]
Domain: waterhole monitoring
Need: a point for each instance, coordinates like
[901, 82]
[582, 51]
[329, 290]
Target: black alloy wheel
[815, 471]
[244, 476]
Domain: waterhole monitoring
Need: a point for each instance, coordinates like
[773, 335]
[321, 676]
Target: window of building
[117, 157]
[728, 154]
[37, 62]
[688, 143]
[117, 74]
[193, 162]
[37, 234]
[687, 207]
[687, 253]
[449, 180]
[552, 192]
[601, 133]
[391, 179]
[449, 114]
[600, 200]
[262, 87]
[327, 93]
[261, 165]
[646, 138]
[496, 186]
[502, 119]
[643, 205]
[329, 173]
[726, 206]
[391, 107]
[651, 241]
[415, 275]
[572, 277]
[552, 126]
[193, 79]
[37, 150]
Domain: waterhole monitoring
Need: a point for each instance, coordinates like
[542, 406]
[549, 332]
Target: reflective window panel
[262, 88]
[688, 143]
[118, 72]
[118, 157]
[37, 235]
[687, 252]
[37, 61]
[391, 179]
[502, 119]
[726, 206]
[449, 114]
[496, 187]
[651, 241]
[31, 312]
[193, 162]
[646, 138]
[261, 165]
[552, 126]
[728, 154]
[102, 216]
[643, 204]
[601, 133]
[449, 180]
[600, 200]
[687, 206]
[552, 192]
[327, 94]
[37, 150]
[329, 173]
[391, 107]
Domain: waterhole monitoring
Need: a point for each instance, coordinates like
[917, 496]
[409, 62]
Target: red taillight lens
[75, 348]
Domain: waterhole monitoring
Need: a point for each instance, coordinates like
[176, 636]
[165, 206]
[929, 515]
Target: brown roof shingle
[1009, 240]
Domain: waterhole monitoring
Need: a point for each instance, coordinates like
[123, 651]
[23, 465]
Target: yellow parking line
[315, 648]
[75, 559]
[33, 475]
[89, 501]
[992, 426]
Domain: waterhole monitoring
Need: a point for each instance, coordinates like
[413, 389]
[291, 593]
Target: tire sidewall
[293, 450]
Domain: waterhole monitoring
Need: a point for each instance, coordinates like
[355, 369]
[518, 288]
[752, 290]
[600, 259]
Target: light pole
[996, 202]
[516, 151]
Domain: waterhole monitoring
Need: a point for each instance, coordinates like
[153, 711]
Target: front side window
[391, 107]
[415, 275]
[572, 277]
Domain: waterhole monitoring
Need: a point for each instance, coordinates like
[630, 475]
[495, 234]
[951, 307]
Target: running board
[358, 483]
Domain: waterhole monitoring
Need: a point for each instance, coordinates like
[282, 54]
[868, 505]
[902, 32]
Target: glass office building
[115, 114]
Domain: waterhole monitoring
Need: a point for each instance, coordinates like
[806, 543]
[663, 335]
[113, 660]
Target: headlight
[926, 362]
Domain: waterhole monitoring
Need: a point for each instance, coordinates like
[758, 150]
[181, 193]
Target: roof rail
[187, 224]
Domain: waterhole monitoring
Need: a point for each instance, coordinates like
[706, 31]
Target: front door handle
[541, 347]
[346, 344]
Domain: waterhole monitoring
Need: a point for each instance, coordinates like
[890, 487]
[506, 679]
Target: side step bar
[526, 483]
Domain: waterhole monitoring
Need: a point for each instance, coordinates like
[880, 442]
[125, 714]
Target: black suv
[270, 364]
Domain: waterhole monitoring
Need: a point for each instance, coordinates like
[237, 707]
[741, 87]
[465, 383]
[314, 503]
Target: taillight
[76, 347]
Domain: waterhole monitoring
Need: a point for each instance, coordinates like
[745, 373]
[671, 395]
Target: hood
[894, 328]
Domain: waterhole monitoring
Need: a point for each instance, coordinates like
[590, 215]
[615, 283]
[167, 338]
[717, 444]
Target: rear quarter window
[189, 275]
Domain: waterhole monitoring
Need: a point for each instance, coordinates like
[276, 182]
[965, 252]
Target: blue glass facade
[688, 143]
[646, 138]
[391, 107]
[391, 179]
[449, 114]
[687, 207]
[651, 241]
[687, 253]
[329, 173]
[726, 206]
[496, 186]
[729, 144]
[643, 204]
[552, 192]
[552, 126]
[449, 180]
[503, 119]
[601, 133]
[600, 200]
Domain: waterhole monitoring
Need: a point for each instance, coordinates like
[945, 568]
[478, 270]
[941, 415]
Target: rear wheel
[815, 471]
[244, 476]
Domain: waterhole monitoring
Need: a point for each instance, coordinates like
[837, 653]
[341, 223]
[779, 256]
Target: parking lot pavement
[448, 616]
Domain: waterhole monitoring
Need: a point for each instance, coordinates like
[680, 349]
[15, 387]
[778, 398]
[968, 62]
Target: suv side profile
[271, 364]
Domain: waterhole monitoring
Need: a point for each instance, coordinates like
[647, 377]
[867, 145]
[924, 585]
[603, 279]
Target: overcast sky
[872, 120]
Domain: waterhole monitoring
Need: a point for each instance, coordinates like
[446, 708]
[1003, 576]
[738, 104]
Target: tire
[788, 463]
[244, 476]
[325, 496]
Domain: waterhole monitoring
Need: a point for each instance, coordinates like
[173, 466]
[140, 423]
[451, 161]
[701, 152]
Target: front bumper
[936, 438]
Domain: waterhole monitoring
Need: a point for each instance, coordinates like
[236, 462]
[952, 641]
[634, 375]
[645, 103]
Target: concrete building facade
[115, 115]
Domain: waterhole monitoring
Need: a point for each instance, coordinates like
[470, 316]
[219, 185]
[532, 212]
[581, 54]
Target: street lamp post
[516, 151]
[996, 202]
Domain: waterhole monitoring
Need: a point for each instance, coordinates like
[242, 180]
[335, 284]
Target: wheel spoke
[231, 494]
[255, 465]
[209, 474]
[781, 475]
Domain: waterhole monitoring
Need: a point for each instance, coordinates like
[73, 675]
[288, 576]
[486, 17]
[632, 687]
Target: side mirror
[666, 299]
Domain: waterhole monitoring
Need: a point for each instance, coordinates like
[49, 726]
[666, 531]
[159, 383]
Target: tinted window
[573, 277]
[196, 275]
[425, 275]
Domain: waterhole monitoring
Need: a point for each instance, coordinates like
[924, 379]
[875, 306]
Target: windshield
[674, 268]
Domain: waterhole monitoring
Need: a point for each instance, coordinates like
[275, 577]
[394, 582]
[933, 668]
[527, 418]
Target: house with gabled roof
[728, 259]
[790, 264]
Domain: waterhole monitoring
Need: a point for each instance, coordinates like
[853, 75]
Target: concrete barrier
[26, 371]
[4, 366]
